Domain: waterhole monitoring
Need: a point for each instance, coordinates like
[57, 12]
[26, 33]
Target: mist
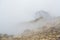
[13, 12]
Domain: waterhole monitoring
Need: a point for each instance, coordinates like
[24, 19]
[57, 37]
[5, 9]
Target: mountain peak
[42, 14]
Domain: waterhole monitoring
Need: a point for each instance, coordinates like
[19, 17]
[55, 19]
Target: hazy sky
[13, 12]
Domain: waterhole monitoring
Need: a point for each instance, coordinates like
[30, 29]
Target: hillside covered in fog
[47, 28]
[40, 19]
[43, 27]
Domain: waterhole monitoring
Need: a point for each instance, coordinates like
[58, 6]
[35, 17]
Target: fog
[13, 12]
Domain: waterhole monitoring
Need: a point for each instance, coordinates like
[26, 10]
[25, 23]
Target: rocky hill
[50, 29]
[47, 29]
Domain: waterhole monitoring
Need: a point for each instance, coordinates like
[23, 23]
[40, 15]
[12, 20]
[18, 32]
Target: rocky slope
[50, 29]
[47, 29]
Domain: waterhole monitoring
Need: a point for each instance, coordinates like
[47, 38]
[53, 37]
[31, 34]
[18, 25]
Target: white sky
[13, 12]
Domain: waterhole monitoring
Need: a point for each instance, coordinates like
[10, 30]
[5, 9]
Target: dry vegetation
[49, 32]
